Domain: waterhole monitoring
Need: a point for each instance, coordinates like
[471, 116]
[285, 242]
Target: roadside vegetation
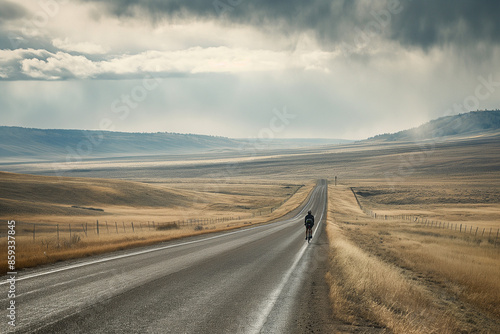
[208, 205]
[406, 278]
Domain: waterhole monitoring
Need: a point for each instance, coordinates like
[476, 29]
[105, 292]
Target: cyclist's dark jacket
[309, 216]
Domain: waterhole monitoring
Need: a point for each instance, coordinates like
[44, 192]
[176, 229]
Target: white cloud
[82, 47]
[7, 56]
[58, 66]
[41, 64]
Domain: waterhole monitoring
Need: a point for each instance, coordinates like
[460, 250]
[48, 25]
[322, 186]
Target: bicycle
[308, 233]
[309, 223]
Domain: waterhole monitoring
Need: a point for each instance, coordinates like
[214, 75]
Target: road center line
[271, 301]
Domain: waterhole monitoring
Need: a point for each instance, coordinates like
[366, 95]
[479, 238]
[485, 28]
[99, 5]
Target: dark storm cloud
[422, 23]
[22, 34]
[428, 22]
[287, 15]
[11, 11]
[8, 12]
[17, 39]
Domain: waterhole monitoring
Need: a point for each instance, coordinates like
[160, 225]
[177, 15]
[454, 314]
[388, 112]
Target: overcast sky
[247, 68]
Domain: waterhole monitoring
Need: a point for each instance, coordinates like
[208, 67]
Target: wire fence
[467, 229]
[42, 230]
[37, 230]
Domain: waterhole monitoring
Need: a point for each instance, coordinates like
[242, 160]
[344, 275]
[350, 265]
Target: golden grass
[46, 199]
[47, 250]
[364, 285]
[408, 278]
[456, 200]
[473, 270]
[248, 203]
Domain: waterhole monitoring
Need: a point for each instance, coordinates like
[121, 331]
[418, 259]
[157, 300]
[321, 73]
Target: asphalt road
[263, 279]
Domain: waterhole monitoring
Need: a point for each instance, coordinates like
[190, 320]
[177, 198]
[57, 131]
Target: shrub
[166, 227]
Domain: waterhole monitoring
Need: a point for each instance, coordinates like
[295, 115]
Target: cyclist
[309, 223]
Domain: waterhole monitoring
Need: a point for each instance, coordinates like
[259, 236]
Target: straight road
[254, 280]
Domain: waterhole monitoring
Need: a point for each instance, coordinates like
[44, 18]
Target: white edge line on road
[78, 265]
[271, 300]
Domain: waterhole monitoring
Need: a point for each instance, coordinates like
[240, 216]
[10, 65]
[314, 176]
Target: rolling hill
[17, 143]
[22, 194]
[52, 143]
[469, 124]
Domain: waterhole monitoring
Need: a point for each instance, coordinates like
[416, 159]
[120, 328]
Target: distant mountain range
[472, 123]
[19, 143]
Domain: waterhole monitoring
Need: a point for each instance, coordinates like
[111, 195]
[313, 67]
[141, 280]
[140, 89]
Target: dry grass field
[38, 200]
[67, 200]
[460, 200]
[472, 158]
[408, 278]
[398, 275]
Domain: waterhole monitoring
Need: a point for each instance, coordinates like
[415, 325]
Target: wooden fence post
[97, 227]
[34, 233]
[133, 230]
[70, 232]
[124, 231]
[57, 234]
[116, 226]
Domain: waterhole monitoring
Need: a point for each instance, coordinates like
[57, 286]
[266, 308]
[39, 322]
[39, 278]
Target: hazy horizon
[176, 133]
